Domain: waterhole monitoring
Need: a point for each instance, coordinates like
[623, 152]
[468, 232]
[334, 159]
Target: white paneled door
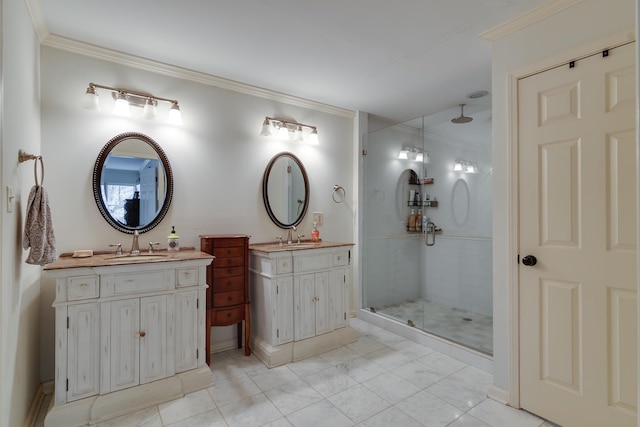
[577, 271]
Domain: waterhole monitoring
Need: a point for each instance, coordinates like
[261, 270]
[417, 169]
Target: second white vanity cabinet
[129, 334]
[299, 300]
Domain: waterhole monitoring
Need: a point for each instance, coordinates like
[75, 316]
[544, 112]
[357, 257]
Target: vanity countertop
[108, 259]
[303, 245]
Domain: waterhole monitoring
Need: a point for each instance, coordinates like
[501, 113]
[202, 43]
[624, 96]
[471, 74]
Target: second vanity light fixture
[465, 166]
[125, 98]
[288, 130]
[412, 153]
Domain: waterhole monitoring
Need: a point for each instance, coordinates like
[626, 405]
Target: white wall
[217, 157]
[20, 283]
[585, 22]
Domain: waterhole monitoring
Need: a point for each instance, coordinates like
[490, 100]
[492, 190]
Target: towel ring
[35, 170]
[23, 156]
[337, 196]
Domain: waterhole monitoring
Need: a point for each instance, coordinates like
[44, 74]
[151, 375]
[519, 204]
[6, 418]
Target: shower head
[462, 118]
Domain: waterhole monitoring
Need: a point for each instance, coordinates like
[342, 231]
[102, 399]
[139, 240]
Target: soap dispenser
[315, 233]
[173, 241]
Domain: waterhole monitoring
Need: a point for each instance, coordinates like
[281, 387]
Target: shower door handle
[431, 230]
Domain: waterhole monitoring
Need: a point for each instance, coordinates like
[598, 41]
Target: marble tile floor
[380, 380]
[460, 326]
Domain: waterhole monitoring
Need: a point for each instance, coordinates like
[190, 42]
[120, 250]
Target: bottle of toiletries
[412, 195]
[173, 241]
[315, 233]
[412, 220]
[419, 220]
[416, 199]
[424, 223]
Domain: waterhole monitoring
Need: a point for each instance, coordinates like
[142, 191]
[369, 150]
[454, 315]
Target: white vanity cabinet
[128, 335]
[299, 300]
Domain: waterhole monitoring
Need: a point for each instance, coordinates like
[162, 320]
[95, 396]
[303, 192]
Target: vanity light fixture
[465, 166]
[413, 154]
[288, 130]
[126, 98]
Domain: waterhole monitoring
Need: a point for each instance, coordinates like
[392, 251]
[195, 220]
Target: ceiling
[395, 59]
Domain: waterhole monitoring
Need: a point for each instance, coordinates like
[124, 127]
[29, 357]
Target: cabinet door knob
[229, 298]
[143, 333]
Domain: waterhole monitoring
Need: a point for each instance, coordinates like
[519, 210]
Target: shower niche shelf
[424, 203]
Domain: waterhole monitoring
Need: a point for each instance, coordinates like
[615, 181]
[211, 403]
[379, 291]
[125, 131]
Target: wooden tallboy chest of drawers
[228, 280]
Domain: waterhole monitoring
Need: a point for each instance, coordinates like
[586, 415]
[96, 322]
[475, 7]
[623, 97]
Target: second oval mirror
[285, 190]
[132, 182]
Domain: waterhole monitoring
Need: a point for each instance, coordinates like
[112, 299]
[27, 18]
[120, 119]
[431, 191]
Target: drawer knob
[142, 333]
[229, 298]
[228, 315]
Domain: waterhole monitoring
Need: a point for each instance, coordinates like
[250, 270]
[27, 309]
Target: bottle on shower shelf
[412, 220]
[419, 220]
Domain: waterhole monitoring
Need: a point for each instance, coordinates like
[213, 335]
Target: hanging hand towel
[38, 229]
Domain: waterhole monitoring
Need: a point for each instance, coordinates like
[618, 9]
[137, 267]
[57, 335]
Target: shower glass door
[438, 276]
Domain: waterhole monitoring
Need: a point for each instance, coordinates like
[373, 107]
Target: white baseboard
[499, 395]
[224, 345]
[34, 409]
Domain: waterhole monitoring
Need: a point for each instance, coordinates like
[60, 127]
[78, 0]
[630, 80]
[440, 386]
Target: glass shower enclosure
[427, 225]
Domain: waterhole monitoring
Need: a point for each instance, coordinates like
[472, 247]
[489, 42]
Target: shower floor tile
[472, 330]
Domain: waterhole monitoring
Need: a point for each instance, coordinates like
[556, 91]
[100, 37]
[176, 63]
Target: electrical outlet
[318, 218]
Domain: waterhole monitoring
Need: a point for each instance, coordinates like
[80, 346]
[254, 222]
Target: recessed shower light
[478, 94]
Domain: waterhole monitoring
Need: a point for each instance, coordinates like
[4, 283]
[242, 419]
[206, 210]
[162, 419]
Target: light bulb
[175, 117]
[457, 167]
[470, 168]
[90, 100]
[121, 107]
[283, 132]
[266, 128]
[149, 111]
[313, 137]
[419, 157]
[403, 155]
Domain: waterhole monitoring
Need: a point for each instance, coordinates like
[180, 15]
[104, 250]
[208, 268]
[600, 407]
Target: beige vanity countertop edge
[307, 244]
[109, 259]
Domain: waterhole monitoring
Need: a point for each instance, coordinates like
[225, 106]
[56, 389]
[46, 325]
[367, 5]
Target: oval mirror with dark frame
[132, 183]
[285, 190]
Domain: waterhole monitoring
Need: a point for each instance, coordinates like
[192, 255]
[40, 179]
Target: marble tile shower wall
[459, 274]
[391, 273]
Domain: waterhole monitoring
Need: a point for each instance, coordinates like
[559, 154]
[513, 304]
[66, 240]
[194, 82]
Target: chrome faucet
[118, 247]
[135, 248]
[293, 228]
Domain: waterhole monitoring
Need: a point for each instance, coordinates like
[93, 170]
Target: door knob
[529, 260]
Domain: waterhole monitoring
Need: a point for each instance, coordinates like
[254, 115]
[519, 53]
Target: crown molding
[133, 61]
[511, 26]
